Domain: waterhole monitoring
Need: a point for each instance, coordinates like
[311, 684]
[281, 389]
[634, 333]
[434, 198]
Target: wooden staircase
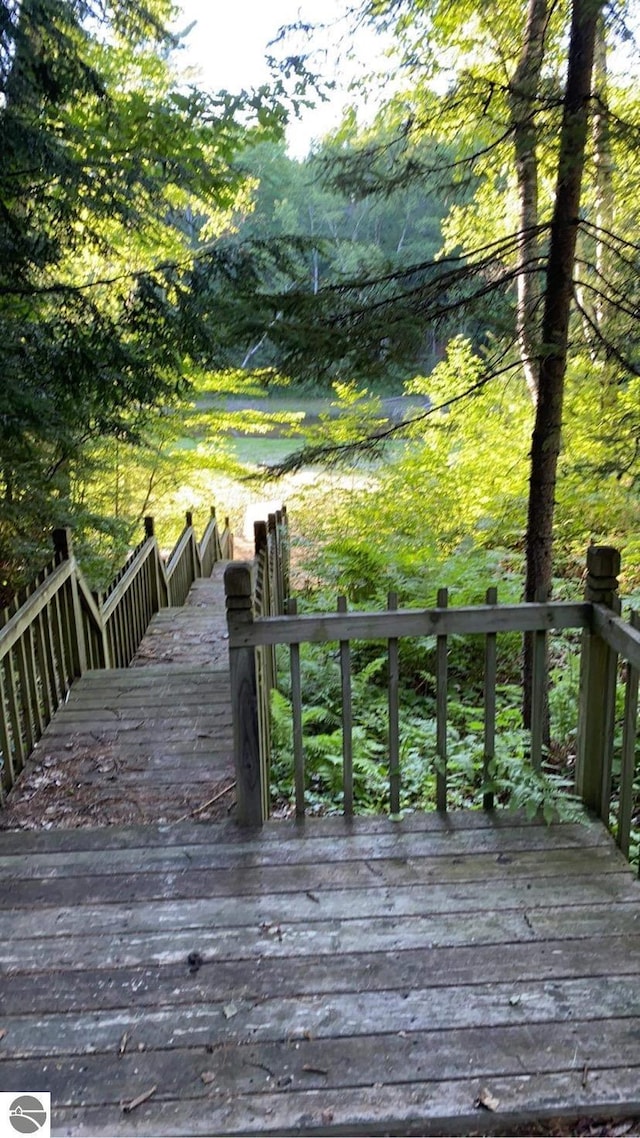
[151, 743]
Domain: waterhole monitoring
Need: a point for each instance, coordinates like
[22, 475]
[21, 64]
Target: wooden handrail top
[88, 599]
[178, 548]
[122, 571]
[39, 599]
[392, 624]
[622, 637]
[177, 551]
[115, 596]
[211, 527]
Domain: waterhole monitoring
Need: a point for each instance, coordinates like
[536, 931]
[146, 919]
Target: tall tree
[558, 296]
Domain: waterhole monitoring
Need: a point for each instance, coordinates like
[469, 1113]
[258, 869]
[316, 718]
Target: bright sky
[230, 40]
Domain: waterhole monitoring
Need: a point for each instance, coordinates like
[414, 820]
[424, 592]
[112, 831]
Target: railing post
[150, 531]
[285, 548]
[598, 666]
[63, 547]
[244, 695]
[195, 557]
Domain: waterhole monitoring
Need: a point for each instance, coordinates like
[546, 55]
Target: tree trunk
[524, 88]
[558, 294]
[603, 161]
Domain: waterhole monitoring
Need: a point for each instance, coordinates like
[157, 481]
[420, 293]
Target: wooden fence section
[605, 639]
[256, 591]
[57, 628]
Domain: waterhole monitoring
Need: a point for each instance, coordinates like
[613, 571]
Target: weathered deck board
[367, 977]
[138, 744]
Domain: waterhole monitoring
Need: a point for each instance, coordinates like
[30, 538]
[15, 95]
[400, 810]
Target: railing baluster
[441, 709]
[347, 717]
[25, 694]
[7, 773]
[394, 715]
[57, 646]
[11, 697]
[538, 690]
[47, 705]
[32, 673]
[296, 711]
[628, 757]
[490, 680]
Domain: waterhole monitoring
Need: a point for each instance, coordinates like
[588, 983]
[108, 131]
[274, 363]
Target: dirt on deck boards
[147, 744]
[438, 975]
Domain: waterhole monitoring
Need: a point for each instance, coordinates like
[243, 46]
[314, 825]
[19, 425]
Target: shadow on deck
[330, 976]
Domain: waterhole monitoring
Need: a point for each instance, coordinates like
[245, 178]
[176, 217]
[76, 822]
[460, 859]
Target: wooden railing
[57, 629]
[256, 591]
[605, 638]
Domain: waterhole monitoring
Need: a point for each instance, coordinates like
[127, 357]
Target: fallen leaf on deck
[208, 1077]
[3, 1032]
[229, 1011]
[487, 1100]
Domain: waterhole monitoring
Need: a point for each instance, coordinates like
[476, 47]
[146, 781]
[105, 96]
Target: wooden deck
[452, 974]
[324, 977]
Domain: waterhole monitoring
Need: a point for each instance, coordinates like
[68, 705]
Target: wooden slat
[12, 694]
[442, 680]
[623, 638]
[296, 710]
[24, 686]
[337, 904]
[95, 988]
[337, 1016]
[490, 680]
[44, 620]
[538, 691]
[415, 622]
[347, 717]
[32, 675]
[628, 755]
[166, 881]
[394, 715]
[8, 772]
[48, 706]
[56, 640]
[325, 938]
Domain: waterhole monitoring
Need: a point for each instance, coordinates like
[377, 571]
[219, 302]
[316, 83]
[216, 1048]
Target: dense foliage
[117, 186]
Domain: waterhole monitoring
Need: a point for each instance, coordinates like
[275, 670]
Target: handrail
[623, 638]
[318, 628]
[605, 634]
[61, 629]
[11, 632]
